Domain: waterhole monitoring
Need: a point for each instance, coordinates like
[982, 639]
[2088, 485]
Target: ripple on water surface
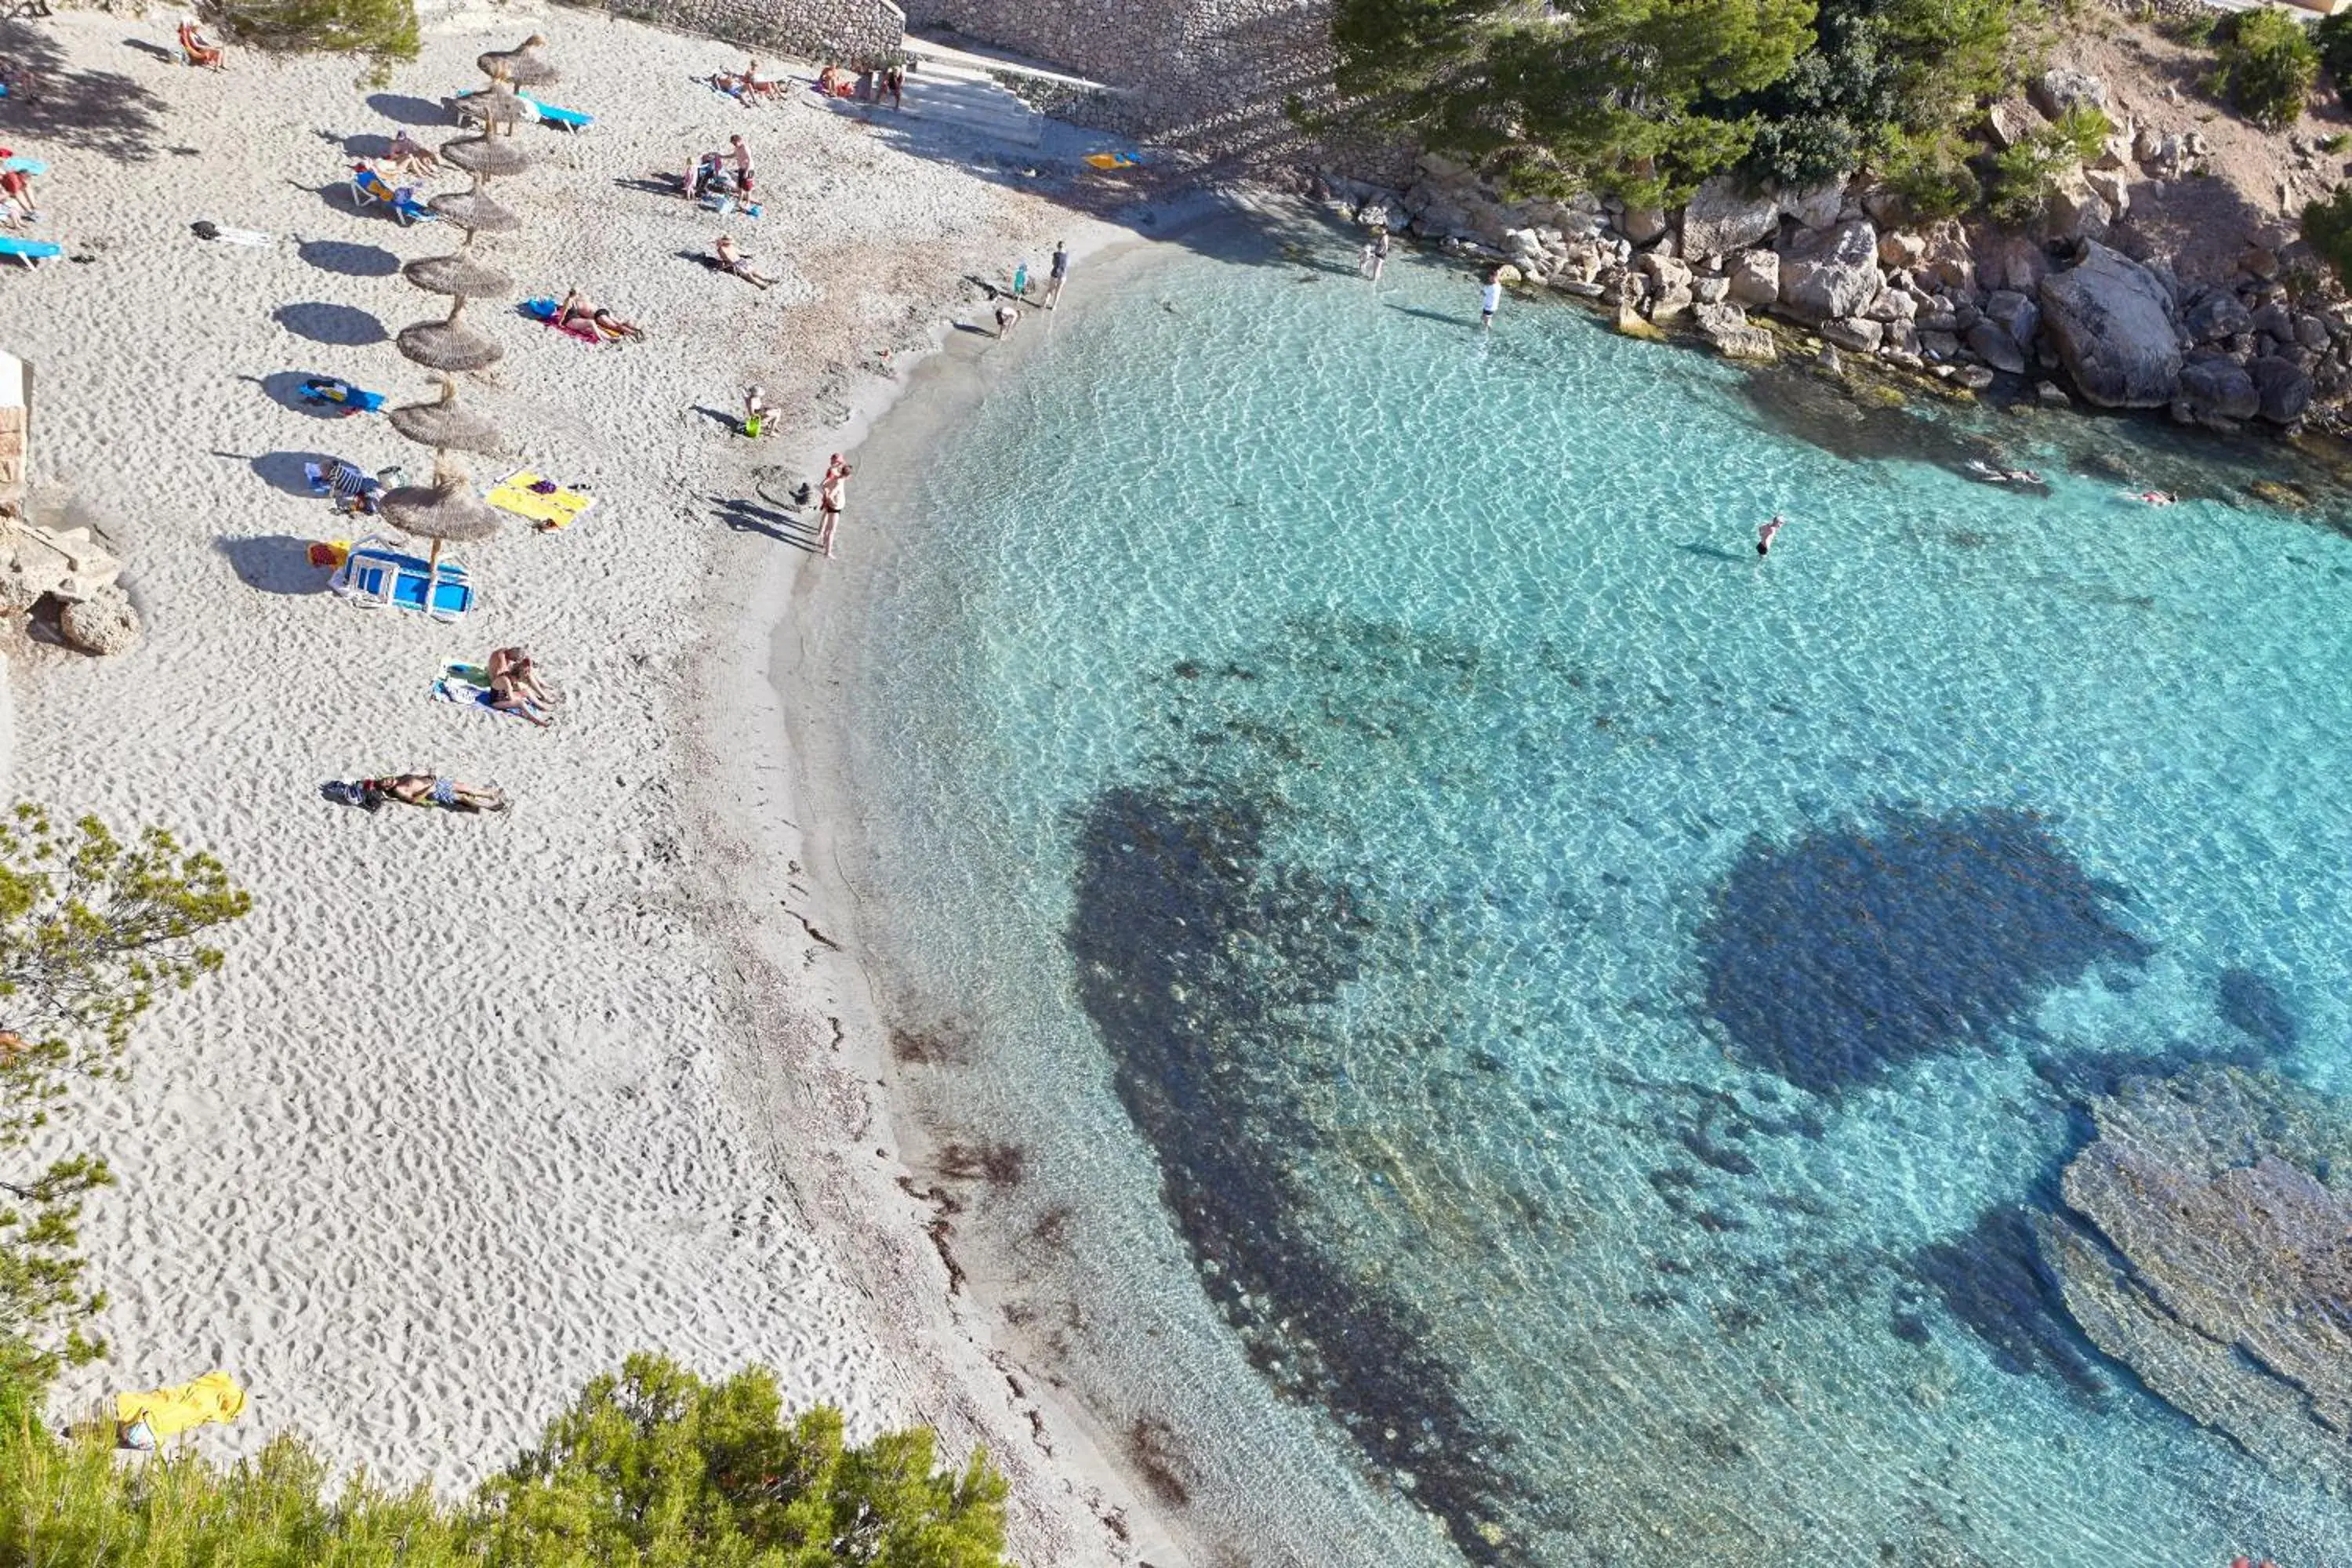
[1603, 1011]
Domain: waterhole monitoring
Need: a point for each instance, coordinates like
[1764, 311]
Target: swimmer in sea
[1765, 534]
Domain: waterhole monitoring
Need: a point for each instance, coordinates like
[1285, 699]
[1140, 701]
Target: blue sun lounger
[548, 114]
[375, 574]
[24, 166]
[29, 251]
[369, 188]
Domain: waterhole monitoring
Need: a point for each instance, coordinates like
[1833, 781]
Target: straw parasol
[475, 213]
[495, 106]
[445, 426]
[460, 275]
[448, 346]
[445, 511]
[480, 156]
[523, 65]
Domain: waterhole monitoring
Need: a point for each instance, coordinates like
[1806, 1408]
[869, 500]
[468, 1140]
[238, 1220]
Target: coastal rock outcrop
[104, 623]
[2285, 390]
[2205, 1247]
[1722, 217]
[2215, 387]
[1756, 278]
[2111, 321]
[1831, 273]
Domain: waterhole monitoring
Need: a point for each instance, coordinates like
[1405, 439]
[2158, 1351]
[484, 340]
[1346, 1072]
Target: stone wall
[1208, 76]
[852, 31]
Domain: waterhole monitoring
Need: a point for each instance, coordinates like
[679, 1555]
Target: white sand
[480, 1104]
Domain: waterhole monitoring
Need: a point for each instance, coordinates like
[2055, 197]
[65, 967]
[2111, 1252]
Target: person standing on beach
[1020, 281]
[1490, 298]
[1376, 254]
[1059, 274]
[1765, 534]
[830, 498]
[739, 153]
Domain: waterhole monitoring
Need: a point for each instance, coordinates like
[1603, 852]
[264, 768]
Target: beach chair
[377, 573]
[31, 252]
[369, 188]
[563, 118]
[549, 509]
[33, 166]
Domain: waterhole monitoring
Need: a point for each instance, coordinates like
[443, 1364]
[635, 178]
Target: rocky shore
[2091, 306]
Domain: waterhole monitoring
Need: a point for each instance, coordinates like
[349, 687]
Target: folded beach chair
[545, 309]
[549, 509]
[370, 188]
[377, 574]
[29, 251]
[548, 114]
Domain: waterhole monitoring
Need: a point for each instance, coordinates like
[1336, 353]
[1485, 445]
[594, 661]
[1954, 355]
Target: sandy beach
[480, 1104]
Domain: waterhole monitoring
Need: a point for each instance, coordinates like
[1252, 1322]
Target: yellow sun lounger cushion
[169, 1411]
[554, 509]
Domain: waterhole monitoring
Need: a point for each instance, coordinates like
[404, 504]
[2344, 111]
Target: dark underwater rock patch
[1204, 966]
[1992, 1281]
[2250, 1004]
[1854, 951]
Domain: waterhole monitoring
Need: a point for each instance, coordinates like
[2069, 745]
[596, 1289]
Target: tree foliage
[2327, 229]
[2264, 67]
[1642, 98]
[2025, 176]
[653, 1468]
[92, 928]
[384, 31]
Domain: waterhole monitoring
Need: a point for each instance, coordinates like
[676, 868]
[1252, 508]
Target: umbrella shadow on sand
[403, 109]
[275, 563]
[349, 260]
[344, 326]
[284, 387]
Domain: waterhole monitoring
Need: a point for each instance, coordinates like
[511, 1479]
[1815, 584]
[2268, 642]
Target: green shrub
[2194, 29]
[2021, 180]
[2265, 68]
[2082, 132]
[2327, 229]
[2336, 146]
[653, 1468]
[1932, 176]
[384, 31]
[2332, 36]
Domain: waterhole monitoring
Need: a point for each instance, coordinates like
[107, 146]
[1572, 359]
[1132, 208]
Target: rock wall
[852, 31]
[1208, 76]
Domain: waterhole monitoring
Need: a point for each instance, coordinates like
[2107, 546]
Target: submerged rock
[2208, 1246]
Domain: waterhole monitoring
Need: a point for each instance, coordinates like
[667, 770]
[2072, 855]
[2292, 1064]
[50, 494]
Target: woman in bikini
[431, 789]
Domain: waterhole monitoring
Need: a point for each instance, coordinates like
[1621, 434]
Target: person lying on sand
[431, 789]
[515, 687]
[729, 260]
[411, 157]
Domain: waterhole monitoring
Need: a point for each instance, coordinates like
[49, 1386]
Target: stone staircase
[956, 91]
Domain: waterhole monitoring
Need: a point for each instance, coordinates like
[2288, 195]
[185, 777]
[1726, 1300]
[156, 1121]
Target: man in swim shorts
[1765, 534]
[1490, 298]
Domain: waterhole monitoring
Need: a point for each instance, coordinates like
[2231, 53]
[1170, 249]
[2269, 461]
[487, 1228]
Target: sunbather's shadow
[734, 423]
[1450, 320]
[655, 187]
[402, 108]
[321, 322]
[149, 46]
[275, 563]
[975, 330]
[283, 470]
[748, 517]
[1713, 553]
[351, 260]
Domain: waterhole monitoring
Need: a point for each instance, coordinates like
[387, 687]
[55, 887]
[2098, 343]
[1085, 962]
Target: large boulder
[1854, 332]
[2216, 316]
[2011, 122]
[2111, 320]
[1643, 225]
[2062, 88]
[2017, 314]
[2215, 387]
[1991, 343]
[1756, 278]
[2075, 210]
[1815, 206]
[1732, 335]
[2285, 391]
[1831, 273]
[1721, 217]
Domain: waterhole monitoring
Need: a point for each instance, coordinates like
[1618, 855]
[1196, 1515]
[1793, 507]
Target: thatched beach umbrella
[482, 157]
[496, 107]
[448, 346]
[445, 511]
[475, 213]
[445, 426]
[523, 65]
[460, 275]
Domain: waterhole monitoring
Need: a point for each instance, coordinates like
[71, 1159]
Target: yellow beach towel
[554, 509]
[169, 1411]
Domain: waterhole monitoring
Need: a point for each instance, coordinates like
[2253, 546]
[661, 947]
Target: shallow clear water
[1343, 796]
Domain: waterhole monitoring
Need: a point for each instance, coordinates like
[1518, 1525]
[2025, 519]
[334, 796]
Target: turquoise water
[1528, 1031]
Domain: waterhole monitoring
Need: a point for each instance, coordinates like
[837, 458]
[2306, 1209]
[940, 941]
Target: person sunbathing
[515, 686]
[411, 157]
[729, 260]
[431, 789]
[758, 86]
[835, 82]
[576, 306]
[612, 326]
[17, 194]
[200, 50]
